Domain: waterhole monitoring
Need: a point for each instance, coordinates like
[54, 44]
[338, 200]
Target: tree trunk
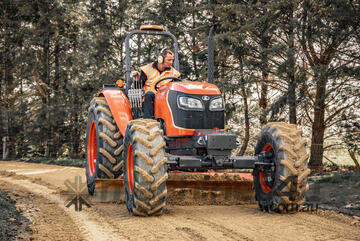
[291, 72]
[247, 122]
[318, 128]
[75, 137]
[353, 157]
[292, 101]
[7, 102]
[5, 148]
[264, 45]
[55, 120]
[263, 98]
[21, 145]
[194, 47]
[46, 99]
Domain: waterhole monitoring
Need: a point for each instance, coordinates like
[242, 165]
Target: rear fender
[119, 106]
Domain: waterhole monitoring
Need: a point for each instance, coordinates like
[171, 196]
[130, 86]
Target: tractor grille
[191, 119]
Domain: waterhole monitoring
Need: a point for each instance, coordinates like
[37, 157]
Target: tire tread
[149, 195]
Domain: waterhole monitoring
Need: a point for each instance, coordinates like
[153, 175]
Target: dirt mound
[195, 197]
[190, 189]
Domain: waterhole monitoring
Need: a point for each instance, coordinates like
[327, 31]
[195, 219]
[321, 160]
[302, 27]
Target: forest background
[295, 61]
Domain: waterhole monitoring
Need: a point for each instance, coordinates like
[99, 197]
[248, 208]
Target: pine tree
[327, 35]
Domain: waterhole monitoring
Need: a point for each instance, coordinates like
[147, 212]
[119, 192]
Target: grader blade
[108, 190]
[210, 188]
[207, 188]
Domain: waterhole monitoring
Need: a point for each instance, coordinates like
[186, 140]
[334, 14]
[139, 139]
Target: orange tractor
[188, 134]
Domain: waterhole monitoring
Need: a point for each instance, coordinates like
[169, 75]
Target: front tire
[144, 170]
[104, 144]
[286, 186]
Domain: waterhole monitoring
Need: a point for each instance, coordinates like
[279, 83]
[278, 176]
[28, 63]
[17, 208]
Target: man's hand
[136, 75]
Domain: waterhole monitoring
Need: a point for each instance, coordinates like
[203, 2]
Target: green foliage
[270, 57]
[7, 210]
[5, 203]
[352, 134]
[345, 178]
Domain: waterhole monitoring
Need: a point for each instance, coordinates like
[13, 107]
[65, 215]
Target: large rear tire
[285, 187]
[104, 144]
[145, 170]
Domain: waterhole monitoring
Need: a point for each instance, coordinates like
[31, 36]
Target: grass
[338, 155]
[59, 161]
[346, 178]
[7, 210]
[5, 204]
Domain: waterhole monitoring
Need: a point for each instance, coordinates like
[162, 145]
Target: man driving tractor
[188, 135]
[153, 72]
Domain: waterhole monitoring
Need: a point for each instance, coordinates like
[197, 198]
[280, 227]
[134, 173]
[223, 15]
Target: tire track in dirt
[192, 233]
[194, 222]
[247, 223]
[201, 224]
[165, 227]
[226, 232]
[132, 227]
[328, 224]
[89, 225]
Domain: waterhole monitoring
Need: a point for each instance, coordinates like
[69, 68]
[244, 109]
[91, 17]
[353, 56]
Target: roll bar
[147, 32]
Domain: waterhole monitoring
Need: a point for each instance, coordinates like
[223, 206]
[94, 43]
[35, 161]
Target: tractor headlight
[216, 104]
[188, 103]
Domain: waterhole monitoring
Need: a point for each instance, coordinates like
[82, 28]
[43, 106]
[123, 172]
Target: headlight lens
[216, 104]
[188, 103]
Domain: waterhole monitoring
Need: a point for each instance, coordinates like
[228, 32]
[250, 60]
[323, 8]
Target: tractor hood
[197, 88]
[187, 106]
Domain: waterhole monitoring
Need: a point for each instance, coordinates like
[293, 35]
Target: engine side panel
[119, 106]
[163, 111]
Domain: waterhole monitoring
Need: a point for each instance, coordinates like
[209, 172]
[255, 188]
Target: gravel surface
[36, 188]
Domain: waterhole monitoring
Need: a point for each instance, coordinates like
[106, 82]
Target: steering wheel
[173, 79]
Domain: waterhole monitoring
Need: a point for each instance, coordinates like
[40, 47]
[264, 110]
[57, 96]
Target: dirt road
[36, 189]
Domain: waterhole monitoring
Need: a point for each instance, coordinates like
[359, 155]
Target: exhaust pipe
[211, 55]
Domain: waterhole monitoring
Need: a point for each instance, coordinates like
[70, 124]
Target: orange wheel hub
[262, 176]
[92, 148]
[130, 169]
